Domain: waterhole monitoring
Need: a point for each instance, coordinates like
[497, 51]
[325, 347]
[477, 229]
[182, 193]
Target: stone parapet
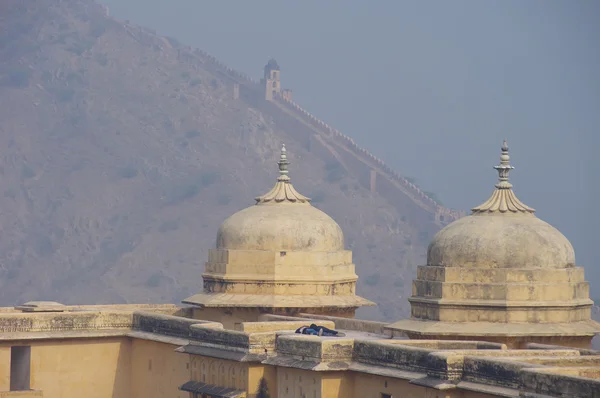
[312, 352]
[65, 321]
[354, 324]
[259, 327]
[167, 324]
[380, 353]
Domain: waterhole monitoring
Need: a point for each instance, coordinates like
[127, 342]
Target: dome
[281, 220]
[272, 65]
[492, 241]
[503, 275]
[501, 233]
[280, 227]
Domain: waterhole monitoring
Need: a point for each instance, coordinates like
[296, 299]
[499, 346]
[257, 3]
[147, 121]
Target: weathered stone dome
[501, 233]
[497, 241]
[281, 220]
[280, 227]
[501, 274]
[279, 256]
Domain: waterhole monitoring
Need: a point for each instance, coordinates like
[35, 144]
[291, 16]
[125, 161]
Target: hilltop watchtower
[272, 82]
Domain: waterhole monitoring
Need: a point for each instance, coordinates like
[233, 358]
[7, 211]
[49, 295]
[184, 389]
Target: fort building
[503, 275]
[280, 256]
[271, 82]
[499, 310]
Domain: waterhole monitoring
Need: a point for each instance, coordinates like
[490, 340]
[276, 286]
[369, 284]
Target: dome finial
[503, 200]
[504, 168]
[283, 191]
[283, 165]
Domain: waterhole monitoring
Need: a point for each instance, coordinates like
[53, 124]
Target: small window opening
[384, 395]
[20, 368]
[282, 254]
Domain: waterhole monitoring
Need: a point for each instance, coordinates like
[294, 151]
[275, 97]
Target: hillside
[121, 158]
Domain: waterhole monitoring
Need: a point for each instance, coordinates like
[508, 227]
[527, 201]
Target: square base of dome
[500, 311]
[232, 309]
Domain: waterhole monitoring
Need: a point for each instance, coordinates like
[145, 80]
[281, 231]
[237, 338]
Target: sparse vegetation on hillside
[121, 162]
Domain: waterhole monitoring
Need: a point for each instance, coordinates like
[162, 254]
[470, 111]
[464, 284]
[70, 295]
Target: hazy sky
[432, 88]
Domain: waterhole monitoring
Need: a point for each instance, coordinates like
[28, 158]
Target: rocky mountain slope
[119, 162]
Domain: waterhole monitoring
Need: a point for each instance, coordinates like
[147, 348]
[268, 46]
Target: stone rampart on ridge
[437, 213]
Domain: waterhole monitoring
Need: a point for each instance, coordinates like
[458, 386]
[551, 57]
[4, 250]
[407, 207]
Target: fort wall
[143, 361]
[364, 162]
[54, 362]
[157, 370]
[371, 162]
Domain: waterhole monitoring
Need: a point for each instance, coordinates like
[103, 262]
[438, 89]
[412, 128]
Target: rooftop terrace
[367, 347]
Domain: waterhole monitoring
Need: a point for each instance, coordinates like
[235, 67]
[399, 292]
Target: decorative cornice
[283, 191]
[503, 200]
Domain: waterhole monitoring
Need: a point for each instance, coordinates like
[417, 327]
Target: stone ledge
[540, 381]
[315, 348]
[158, 338]
[41, 306]
[424, 329]
[503, 304]
[215, 352]
[63, 334]
[434, 383]
[274, 326]
[385, 371]
[307, 364]
[26, 393]
[275, 301]
[486, 389]
[352, 324]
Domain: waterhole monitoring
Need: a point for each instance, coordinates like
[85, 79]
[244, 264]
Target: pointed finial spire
[504, 168]
[503, 200]
[283, 191]
[283, 165]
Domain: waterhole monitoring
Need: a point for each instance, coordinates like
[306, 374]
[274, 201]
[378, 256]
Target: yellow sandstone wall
[256, 373]
[372, 386]
[4, 367]
[232, 374]
[115, 367]
[91, 368]
[157, 370]
[219, 372]
[292, 383]
[339, 384]
[122, 367]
